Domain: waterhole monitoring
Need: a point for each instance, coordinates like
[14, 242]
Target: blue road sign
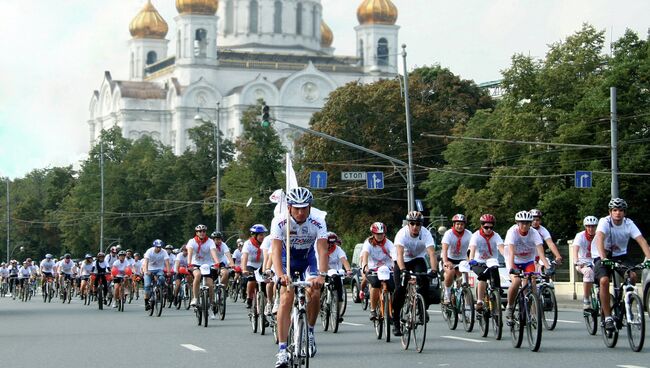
[583, 179]
[318, 180]
[375, 180]
[418, 205]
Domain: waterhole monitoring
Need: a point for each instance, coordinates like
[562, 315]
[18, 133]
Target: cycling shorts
[525, 267]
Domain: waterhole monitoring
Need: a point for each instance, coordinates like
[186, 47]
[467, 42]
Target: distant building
[493, 87]
[230, 53]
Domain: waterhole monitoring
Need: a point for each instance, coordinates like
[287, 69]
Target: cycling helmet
[217, 235]
[458, 218]
[487, 218]
[535, 212]
[121, 253]
[129, 250]
[169, 247]
[113, 250]
[299, 197]
[136, 254]
[240, 242]
[378, 228]
[258, 229]
[523, 216]
[88, 255]
[618, 203]
[48, 256]
[590, 221]
[332, 238]
[67, 255]
[158, 243]
[201, 227]
[176, 251]
[100, 254]
[414, 216]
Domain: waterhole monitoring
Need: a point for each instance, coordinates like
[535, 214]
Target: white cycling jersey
[456, 246]
[222, 251]
[86, 268]
[255, 254]
[201, 253]
[121, 267]
[584, 248]
[334, 259]
[524, 246]
[24, 272]
[156, 260]
[236, 257]
[487, 247]
[137, 266]
[543, 232]
[66, 267]
[378, 256]
[616, 236]
[414, 247]
[47, 266]
[181, 261]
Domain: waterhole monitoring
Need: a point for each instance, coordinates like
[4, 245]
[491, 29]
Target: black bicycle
[526, 313]
[491, 316]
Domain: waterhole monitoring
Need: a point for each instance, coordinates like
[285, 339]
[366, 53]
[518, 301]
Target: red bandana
[487, 238]
[459, 236]
[589, 239]
[200, 242]
[256, 244]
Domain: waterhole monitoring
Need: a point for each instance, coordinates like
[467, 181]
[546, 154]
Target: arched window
[382, 52]
[360, 53]
[152, 57]
[314, 21]
[253, 17]
[230, 16]
[200, 42]
[277, 17]
[299, 19]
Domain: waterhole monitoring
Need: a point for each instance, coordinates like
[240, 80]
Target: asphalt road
[38, 334]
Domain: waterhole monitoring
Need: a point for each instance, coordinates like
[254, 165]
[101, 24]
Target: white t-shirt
[453, 250]
[156, 260]
[66, 267]
[266, 244]
[201, 254]
[334, 262]
[236, 256]
[137, 266]
[414, 247]
[483, 252]
[24, 272]
[172, 260]
[616, 237]
[543, 232]
[255, 254]
[584, 248]
[86, 268]
[48, 266]
[121, 267]
[377, 257]
[222, 250]
[524, 247]
[181, 261]
[4, 272]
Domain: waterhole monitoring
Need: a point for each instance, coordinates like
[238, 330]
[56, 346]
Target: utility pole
[410, 190]
[614, 141]
[218, 179]
[8, 219]
[101, 208]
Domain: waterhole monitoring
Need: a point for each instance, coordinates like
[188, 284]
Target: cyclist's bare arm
[400, 256]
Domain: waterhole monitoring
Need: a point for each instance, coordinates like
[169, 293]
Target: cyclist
[546, 236]
[223, 254]
[100, 269]
[201, 250]
[236, 255]
[47, 270]
[455, 243]
[155, 261]
[305, 231]
[252, 259]
[24, 274]
[610, 245]
[13, 276]
[376, 252]
[4, 275]
[121, 269]
[85, 269]
[483, 246]
[523, 243]
[137, 273]
[172, 257]
[180, 264]
[584, 262]
[338, 261]
[112, 256]
[413, 243]
[271, 307]
[66, 269]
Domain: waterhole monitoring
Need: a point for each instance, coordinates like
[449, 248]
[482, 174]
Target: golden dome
[326, 35]
[203, 7]
[377, 12]
[148, 23]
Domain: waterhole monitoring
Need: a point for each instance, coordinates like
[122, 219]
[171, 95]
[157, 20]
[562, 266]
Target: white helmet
[590, 221]
[524, 216]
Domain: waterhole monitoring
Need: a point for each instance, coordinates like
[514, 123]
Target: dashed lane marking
[193, 347]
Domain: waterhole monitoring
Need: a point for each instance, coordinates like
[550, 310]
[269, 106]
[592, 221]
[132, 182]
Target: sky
[54, 54]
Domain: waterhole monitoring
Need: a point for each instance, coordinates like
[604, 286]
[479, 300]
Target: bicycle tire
[222, 308]
[450, 314]
[387, 320]
[345, 301]
[483, 318]
[366, 299]
[304, 341]
[517, 323]
[591, 321]
[335, 312]
[205, 306]
[50, 293]
[100, 296]
[45, 293]
[354, 289]
[159, 300]
[466, 309]
[379, 326]
[610, 338]
[254, 316]
[419, 323]
[405, 318]
[71, 291]
[496, 313]
[636, 328]
[236, 292]
[261, 303]
[187, 295]
[548, 302]
[324, 311]
[533, 327]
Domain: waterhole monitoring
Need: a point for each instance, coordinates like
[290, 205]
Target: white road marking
[434, 311]
[351, 324]
[630, 366]
[565, 321]
[193, 347]
[463, 339]
[443, 365]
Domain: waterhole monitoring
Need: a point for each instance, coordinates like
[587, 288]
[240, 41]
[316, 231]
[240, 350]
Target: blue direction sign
[583, 179]
[375, 180]
[318, 180]
[418, 205]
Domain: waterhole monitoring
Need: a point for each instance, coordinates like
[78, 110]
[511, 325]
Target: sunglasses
[488, 227]
[201, 231]
[415, 223]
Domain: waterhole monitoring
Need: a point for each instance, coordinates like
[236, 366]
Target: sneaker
[509, 316]
[373, 314]
[146, 305]
[446, 300]
[115, 306]
[283, 359]
[213, 315]
[609, 324]
[268, 309]
[397, 328]
[193, 302]
[312, 345]
[362, 295]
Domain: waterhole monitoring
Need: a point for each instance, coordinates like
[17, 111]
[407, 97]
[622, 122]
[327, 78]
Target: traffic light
[266, 116]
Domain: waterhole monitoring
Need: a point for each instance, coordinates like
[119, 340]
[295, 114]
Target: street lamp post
[217, 131]
[410, 184]
[8, 219]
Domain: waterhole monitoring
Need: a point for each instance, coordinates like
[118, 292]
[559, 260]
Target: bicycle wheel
[419, 323]
[187, 295]
[387, 318]
[344, 306]
[235, 292]
[549, 307]
[222, 308]
[261, 320]
[198, 312]
[496, 314]
[45, 293]
[50, 293]
[405, 319]
[366, 299]
[517, 323]
[159, 300]
[533, 325]
[70, 292]
[450, 315]
[591, 320]
[100, 296]
[205, 306]
[303, 341]
[379, 325]
[130, 291]
[635, 321]
[610, 338]
[325, 309]
[335, 312]
[466, 308]
[254, 317]
[483, 318]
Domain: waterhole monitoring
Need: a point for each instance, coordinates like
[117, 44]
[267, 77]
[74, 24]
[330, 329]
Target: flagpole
[288, 234]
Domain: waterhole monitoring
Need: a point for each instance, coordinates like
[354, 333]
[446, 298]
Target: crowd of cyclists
[299, 247]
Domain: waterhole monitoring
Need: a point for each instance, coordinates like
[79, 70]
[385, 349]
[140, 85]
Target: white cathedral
[227, 56]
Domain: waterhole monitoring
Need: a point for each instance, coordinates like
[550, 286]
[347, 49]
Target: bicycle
[298, 348]
[66, 291]
[461, 302]
[157, 295]
[385, 307]
[99, 289]
[591, 314]
[202, 307]
[256, 315]
[220, 298]
[4, 288]
[526, 313]
[546, 292]
[627, 309]
[48, 289]
[492, 313]
[413, 316]
[330, 306]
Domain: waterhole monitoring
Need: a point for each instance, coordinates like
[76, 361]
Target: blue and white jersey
[303, 237]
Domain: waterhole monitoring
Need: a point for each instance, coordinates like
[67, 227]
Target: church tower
[377, 36]
[196, 37]
[148, 44]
